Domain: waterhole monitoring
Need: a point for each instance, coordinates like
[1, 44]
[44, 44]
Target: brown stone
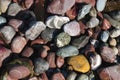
[58, 76]
[27, 52]
[105, 25]
[60, 62]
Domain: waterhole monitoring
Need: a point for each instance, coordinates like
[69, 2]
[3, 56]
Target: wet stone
[100, 5]
[67, 51]
[72, 76]
[115, 15]
[2, 20]
[63, 39]
[104, 36]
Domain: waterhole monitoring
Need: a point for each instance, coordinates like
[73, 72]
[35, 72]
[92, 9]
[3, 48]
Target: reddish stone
[44, 76]
[118, 49]
[38, 41]
[100, 15]
[105, 25]
[60, 62]
[9, 78]
[33, 78]
[27, 52]
[82, 27]
[58, 76]
[44, 54]
[90, 32]
[46, 47]
[28, 3]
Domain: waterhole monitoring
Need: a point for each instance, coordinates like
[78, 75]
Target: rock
[44, 76]
[108, 54]
[91, 76]
[14, 9]
[84, 11]
[115, 15]
[38, 41]
[79, 63]
[60, 6]
[111, 72]
[105, 25]
[115, 49]
[100, 5]
[28, 3]
[67, 51]
[48, 34]
[2, 20]
[4, 5]
[72, 28]
[56, 21]
[33, 78]
[83, 77]
[92, 23]
[112, 42]
[35, 30]
[82, 27]
[19, 72]
[40, 66]
[89, 49]
[118, 49]
[60, 62]
[62, 39]
[93, 12]
[44, 53]
[18, 44]
[8, 33]
[80, 42]
[27, 52]
[115, 33]
[104, 36]
[72, 76]
[58, 76]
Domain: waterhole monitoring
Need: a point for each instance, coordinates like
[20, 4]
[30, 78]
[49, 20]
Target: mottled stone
[84, 11]
[115, 33]
[58, 76]
[2, 20]
[72, 76]
[104, 36]
[56, 21]
[93, 22]
[83, 77]
[63, 39]
[67, 51]
[105, 24]
[112, 42]
[35, 30]
[72, 28]
[100, 5]
[60, 6]
[60, 62]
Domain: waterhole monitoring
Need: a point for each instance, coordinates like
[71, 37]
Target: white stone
[100, 5]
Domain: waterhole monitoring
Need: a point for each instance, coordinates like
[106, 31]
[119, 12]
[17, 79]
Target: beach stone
[35, 30]
[28, 3]
[79, 63]
[115, 15]
[14, 9]
[118, 49]
[115, 33]
[2, 20]
[63, 39]
[83, 77]
[56, 21]
[40, 66]
[81, 41]
[104, 36]
[27, 52]
[67, 51]
[105, 25]
[72, 28]
[100, 5]
[60, 62]
[112, 42]
[8, 32]
[60, 6]
[84, 11]
[44, 76]
[93, 12]
[115, 49]
[82, 27]
[92, 23]
[72, 76]
[58, 76]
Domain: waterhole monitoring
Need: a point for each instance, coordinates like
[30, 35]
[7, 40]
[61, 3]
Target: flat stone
[104, 36]
[115, 15]
[93, 12]
[100, 5]
[2, 20]
[115, 49]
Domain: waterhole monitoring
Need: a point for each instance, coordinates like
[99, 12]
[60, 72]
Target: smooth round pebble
[2, 20]
[104, 36]
[83, 77]
[112, 42]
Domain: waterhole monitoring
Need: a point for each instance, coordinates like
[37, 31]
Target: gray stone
[72, 76]
[83, 77]
[115, 15]
[2, 20]
[100, 5]
[104, 36]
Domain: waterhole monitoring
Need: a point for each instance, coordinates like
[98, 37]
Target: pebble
[38, 41]
[60, 62]
[58, 76]
[111, 72]
[93, 12]
[40, 66]
[27, 52]
[33, 78]
[67, 51]
[18, 44]
[72, 76]
[56, 21]
[62, 39]
[19, 72]
[44, 76]
[104, 36]
[8, 32]
[115, 33]
[44, 53]
[72, 28]
[100, 5]
[14, 9]
[47, 34]
[2, 20]
[84, 11]
[115, 49]
[108, 54]
[82, 27]
[60, 6]
[93, 22]
[115, 15]
[112, 42]
[81, 41]
[118, 47]
[35, 30]
[28, 3]
[83, 77]
[105, 25]
[79, 63]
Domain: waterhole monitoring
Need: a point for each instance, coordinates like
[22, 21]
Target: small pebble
[72, 76]
[115, 49]
[93, 12]
[83, 77]
[44, 76]
[67, 51]
[38, 41]
[115, 15]
[115, 33]
[82, 27]
[28, 3]
[118, 47]
[44, 53]
[104, 36]
[105, 25]
[33, 78]
[72, 28]
[27, 52]
[60, 62]
[100, 5]
[2, 20]
[58, 76]
[112, 42]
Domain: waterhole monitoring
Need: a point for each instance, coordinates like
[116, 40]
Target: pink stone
[58, 76]
[106, 24]
[27, 52]
[60, 62]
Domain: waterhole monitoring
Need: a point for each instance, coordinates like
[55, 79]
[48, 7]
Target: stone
[8, 33]
[81, 41]
[62, 39]
[60, 62]
[72, 28]
[79, 63]
[82, 27]
[108, 54]
[60, 6]
[28, 3]
[67, 51]
[14, 9]
[44, 53]
[118, 49]
[115, 15]
[93, 22]
[27, 52]
[111, 72]
[18, 44]
[112, 42]
[72, 76]
[104, 36]
[33, 78]
[48, 34]
[83, 77]
[115, 33]
[58, 76]
[44, 76]
[56, 21]
[100, 5]
[105, 25]
[2, 20]
[19, 72]
[38, 41]
[115, 49]
[93, 12]
[84, 11]
[40, 66]
[35, 30]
